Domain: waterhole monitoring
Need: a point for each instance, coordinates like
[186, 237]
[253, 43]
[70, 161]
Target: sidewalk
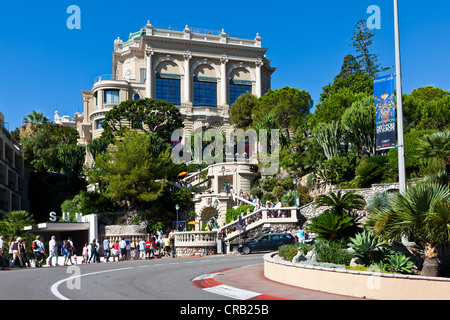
[249, 283]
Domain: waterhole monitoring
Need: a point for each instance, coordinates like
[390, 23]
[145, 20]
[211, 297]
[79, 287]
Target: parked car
[267, 242]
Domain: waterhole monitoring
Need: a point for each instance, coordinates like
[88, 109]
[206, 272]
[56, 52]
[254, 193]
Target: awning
[59, 226]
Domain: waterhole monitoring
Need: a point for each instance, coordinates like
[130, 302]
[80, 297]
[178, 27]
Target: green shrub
[332, 225]
[332, 252]
[268, 196]
[234, 213]
[371, 170]
[256, 192]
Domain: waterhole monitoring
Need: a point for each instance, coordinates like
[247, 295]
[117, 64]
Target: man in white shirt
[123, 249]
[39, 251]
[53, 250]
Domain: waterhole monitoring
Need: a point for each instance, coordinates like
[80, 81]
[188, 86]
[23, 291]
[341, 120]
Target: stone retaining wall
[361, 284]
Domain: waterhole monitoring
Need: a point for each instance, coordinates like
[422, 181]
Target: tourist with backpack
[69, 249]
[39, 251]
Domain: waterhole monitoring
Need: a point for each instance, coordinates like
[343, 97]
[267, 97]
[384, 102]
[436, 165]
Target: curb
[206, 282]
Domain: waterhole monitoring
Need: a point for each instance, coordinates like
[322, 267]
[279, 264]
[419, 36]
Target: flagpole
[400, 134]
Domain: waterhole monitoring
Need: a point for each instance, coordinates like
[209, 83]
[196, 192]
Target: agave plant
[399, 263]
[365, 245]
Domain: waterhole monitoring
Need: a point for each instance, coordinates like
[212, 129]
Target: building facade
[13, 185]
[202, 73]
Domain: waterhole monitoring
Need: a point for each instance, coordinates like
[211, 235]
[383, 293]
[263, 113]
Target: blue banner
[383, 90]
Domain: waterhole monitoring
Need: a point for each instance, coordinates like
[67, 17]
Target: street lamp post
[177, 207]
[398, 73]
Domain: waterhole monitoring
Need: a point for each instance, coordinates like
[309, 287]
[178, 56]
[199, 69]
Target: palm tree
[341, 202]
[421, 213]
[35, 117]
[436, 145]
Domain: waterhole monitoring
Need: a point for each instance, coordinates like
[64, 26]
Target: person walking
[116, 251]
[85, 254]
[3, 262]
[53, 251]
[16, 252]
[301, 234]
[93, 256]
[70, 249]
[123, 249]
[142, 249]
[106, 249]
[39, 251]
[23, 253]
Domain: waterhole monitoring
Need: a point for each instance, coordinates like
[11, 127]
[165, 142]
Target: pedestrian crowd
[156, 245]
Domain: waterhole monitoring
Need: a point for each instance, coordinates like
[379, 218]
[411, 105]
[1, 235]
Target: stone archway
[205, 216]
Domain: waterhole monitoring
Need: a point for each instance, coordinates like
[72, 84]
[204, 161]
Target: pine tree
[362, 40]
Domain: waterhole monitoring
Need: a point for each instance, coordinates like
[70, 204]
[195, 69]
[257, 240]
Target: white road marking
[54, 287]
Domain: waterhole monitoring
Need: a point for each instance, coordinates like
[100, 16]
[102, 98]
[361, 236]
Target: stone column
[223, 84]
[148, 81]
[187, 77]
[259, 64]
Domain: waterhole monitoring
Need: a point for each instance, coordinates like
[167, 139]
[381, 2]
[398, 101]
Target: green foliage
[35, 117]
[332, 252]
[332, 225]
[131, 172]
[399, 263]
[371, 170]
[148, 115]
[289, 251]
[97, 146]
[365, 245]
[341, 202]
[234, 213]
[269, 196]
[256, 192]
[290, 107]
[328, 135]
[71, 158]
[412, 144]
[12, 224]
[359, 123]
[41, 149]
[362, 40]
[241, 110]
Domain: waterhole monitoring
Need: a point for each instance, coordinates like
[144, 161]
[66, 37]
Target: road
[156, 279]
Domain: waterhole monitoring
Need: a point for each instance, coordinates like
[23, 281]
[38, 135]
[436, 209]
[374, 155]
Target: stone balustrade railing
[196, 239]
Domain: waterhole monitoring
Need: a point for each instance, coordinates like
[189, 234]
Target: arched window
[205, 86]
[136, 96]
[167, 83]
[240, 82]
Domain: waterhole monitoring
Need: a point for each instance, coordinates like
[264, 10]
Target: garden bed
[356, 283]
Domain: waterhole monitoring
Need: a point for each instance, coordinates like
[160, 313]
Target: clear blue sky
[44, 65]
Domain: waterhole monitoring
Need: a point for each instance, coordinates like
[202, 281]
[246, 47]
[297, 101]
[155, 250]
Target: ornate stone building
[201, 72]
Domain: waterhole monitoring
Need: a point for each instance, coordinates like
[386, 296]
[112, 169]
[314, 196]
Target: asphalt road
[156, 279]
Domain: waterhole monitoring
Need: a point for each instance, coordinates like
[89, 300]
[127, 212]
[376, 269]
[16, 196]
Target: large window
[205, 92]
[111, 96]
[237, 89]
[168, 88]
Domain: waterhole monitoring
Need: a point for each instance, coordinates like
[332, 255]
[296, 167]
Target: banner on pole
[383, 89]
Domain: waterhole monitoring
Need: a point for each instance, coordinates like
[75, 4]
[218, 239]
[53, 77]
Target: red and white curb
[206, 282]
